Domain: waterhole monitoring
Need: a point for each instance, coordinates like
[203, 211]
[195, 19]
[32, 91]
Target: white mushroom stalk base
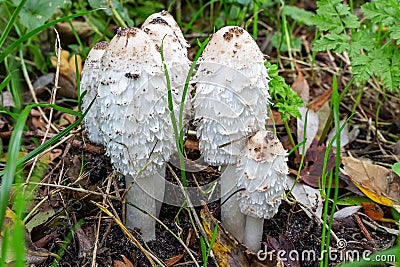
[147, 193]
[232, 218]
[253, 232]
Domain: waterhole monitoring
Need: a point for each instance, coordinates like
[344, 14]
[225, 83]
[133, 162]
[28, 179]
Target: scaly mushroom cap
[262, 171]
[133, 104]
[231, 96]
[169, 20]
[162, 29]
[89, 83]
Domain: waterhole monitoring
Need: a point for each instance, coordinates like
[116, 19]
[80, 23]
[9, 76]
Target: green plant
[370, 45]
[285, 100]
[205, 252]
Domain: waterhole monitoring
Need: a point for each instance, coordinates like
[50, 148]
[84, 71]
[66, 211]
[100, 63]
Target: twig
[196, 218]
[362, 227]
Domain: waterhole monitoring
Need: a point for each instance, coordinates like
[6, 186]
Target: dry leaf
[308, 196]
[228, 251]
[34, 255]
[372, 210]
[311, 127]
[313, 165]
[301, 87]
[67, 65]
[323, 115]
[376, 182]
[317, 103]
[344, 135]
[82, 28]
[346, 212]
[174, 260]
[125, 263]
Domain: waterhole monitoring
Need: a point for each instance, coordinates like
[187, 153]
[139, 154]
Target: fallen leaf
[308, 196]
[323, 115]
[317, 103]
[228, 251]
[124, 263]
[34, 256]
[67, 65]
[346, 212]
[6, 99]
[311, 128]
[344, 135]
[174, 260]
[192, 144]
[372, 210]
[301, 87]
[40, 218]
[376, 182]
[314, 163]
[82, 28]
[284, 244]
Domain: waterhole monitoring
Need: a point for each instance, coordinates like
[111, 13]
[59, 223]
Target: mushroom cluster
[126, 83]
[230, 104]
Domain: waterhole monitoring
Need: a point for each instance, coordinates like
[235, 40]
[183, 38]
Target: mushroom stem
[253, 232]
[231, 216]
[147, 193]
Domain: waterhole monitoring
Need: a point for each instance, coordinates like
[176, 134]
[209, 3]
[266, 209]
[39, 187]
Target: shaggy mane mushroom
[262, 174]
[230, 104]
[134, 118]
[89, 84]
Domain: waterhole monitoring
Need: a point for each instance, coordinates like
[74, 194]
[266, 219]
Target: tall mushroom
[230, 104]
[89, 84]
[262, 174]
[163, 30]
[134, 118]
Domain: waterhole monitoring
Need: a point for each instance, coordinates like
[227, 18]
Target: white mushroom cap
[163, 29]
[89, 83]
[168, 19]
[133, 104]
[262, 171]
[231, 96]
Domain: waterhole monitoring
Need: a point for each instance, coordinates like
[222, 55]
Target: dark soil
[290, 229]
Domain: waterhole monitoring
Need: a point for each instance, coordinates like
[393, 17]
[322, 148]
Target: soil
[290, 229]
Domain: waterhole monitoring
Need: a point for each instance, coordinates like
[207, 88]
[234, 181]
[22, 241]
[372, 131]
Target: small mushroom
[230, 104]
[262, 174]
[89, 84]
[134, 118]
[163, 30]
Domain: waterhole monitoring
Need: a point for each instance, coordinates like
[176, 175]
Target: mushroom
[262, 174]
[89, 83]
[230, 104]
[135, 120]
[164, 31]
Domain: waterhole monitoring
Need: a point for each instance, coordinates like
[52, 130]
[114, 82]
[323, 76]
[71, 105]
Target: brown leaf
[317, 103]
[301, 87]
[228, 251]
[314, 163]
[125, 263]
[376, 182]
[284, 244]
[192, 144]
[372, 210]
[174, 260]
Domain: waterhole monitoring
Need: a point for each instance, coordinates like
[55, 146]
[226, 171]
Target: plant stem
[290, 137]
